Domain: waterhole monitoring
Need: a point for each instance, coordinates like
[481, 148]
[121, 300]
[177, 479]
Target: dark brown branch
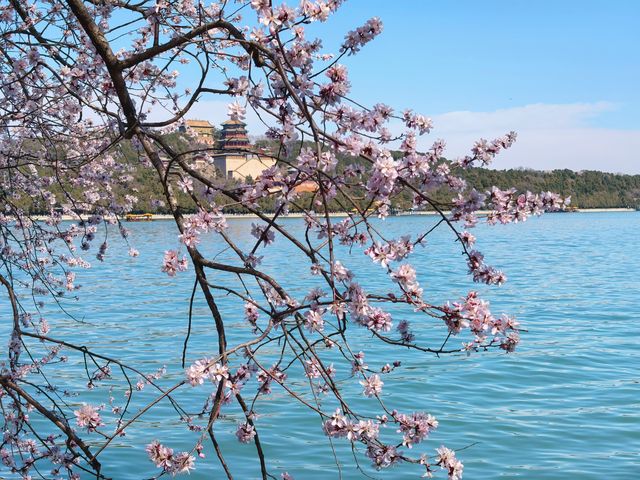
[72, 438]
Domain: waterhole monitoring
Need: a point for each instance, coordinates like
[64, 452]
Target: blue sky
[488, 55]
[564, 74]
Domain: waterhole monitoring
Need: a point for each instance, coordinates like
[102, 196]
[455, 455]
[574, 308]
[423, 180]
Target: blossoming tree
[82, 81]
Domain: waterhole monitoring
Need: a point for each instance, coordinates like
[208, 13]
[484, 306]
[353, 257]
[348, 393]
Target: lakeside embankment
[161, 216]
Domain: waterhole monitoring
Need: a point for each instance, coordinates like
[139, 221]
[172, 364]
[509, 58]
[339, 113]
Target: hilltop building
[236, 157]
[234, 136]
[204, 131]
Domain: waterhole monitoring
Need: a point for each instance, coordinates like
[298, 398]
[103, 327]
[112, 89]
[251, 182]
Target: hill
[588, 189]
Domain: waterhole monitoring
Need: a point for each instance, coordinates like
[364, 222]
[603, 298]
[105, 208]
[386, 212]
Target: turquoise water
[565, 405]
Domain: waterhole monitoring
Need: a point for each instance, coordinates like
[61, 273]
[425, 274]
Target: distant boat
[138, 217]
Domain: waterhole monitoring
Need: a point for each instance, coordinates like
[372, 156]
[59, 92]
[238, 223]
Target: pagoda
[235, 157]
[234, 136]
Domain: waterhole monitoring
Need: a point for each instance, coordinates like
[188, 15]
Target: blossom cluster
[202, 222]
[172, 264]
[206, 369]
[163, 457]
[88, 417]
[473, 313]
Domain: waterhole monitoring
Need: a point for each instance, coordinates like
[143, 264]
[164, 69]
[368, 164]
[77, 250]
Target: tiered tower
[234, 136]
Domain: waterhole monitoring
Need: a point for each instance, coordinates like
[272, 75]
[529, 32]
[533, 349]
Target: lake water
[566, 404]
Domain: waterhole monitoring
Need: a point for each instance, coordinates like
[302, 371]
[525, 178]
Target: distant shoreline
[162, 216]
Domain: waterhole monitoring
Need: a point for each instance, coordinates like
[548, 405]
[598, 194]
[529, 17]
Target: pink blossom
[383, 176]
[185, 184]
[236, 111]
[468, 239]
[263, 234]
[313, 368]
[163, 457]
[382, 456]
[378, 320]
[190, 238]
[88, 416]
[482, 272]
[239, 86]
[419, 122]
[265, 378]
[197, 373]
[70, 277]
[208, 221]
[245, 432]
[337, 425]
[405, 333]
[182, 463]
[448, 461]
[313, 321]
[218, 372]
[160, 455]
[415, 427]
[356, 39]
[202, 369]
[364, 430]
[511, 341]
[405, 275]
[393, 250]
[340, 272]
[372, 385]
[251, 313]
[253, 260]
[172, 265]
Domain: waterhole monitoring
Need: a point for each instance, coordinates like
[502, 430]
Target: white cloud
[536, 116]
[549, 136]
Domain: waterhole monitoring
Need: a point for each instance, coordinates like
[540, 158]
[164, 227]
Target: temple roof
[234, 122]
[199, 123]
